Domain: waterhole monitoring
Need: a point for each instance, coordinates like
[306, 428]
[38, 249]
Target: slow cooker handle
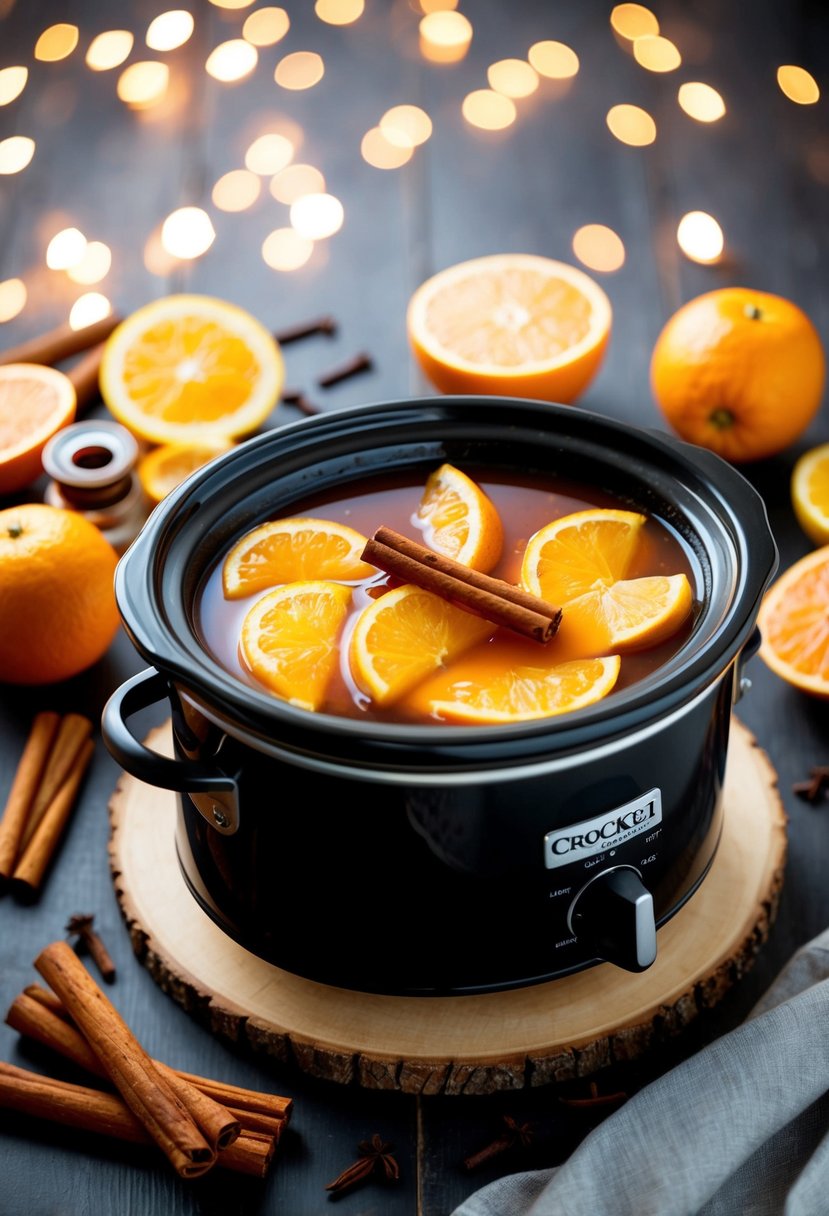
[218, 801]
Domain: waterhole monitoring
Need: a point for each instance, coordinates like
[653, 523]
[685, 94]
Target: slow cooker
[441, 859]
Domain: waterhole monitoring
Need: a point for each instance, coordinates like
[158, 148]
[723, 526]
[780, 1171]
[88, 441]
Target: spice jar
[92, 470]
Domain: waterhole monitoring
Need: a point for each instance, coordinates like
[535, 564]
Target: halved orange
[521, 694]
[404, 635]
[35, 402]
[289, 639]
[810, 493]
[459, 519]
[166, 467]
[510, 324]
[580, 561]
[288, 550]
[189, 367]
[794, 624]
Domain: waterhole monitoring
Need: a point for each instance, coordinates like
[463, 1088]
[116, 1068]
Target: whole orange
[740, 372]
[57, 601]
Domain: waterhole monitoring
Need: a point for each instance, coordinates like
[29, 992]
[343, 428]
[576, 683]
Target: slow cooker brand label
[564, 846]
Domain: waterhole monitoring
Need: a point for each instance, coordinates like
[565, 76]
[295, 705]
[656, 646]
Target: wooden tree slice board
[566, 1028]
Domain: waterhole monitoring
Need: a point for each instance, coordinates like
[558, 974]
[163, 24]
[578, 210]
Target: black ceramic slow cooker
[443, 859]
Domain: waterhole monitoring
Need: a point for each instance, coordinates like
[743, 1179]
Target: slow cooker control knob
[612, 917]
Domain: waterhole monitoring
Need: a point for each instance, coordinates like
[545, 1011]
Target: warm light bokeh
[143, 84]
[268, 154]
[436, 6]
[799, 85]
[237, 190]
[339, 12]
[89, 308]
[285, 249]
[317, 216]
[656, 53]
[488, 110]
[553, 59]
[93, 266]
[15, 153]
[170, 30]
[12, 299]
[599, 248]
[187, 233]
[300, 70]
[444, 36]
[12, 83]
[631, 125]
[406, 126]
[633, 21]
[293, 182]
[512, 77]
[701, 101]
[700, 237]
[266, 26]
[376, 150]
[109, 50]
[65, 249]
[56, 42]
[231, 61]
[232, 3]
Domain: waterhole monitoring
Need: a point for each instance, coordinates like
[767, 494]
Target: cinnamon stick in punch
[60, 343]
[147, 1093]
[492, 598]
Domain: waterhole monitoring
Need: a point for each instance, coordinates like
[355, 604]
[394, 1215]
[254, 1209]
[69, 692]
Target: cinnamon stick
[141, 1084]
[60, 343]
[73, 731]
[90, 1110]
[491, 598]
[24, 788]
[35, 859]
[84, 376]
[42, 1017]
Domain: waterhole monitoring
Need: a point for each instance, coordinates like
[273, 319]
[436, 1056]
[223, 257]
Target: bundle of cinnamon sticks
[197, 1123]
[42, 797]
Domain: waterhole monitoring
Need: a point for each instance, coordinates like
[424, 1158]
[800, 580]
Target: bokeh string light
[231, 61]
[445, 36]
[488, 110]
[143, 84]
[294, 181]
[15, 153]
[93, 266]
[798, 85]
[236, 190]
[512, 77]
[317, 216]
[286, 249]
[170, 30]
[266, 26]
[656, 53]
[269, 153]
[299, 70]
[13, 297]
[406, 126]
[66, 249]
[700, 237]
[701, 101]
[57, 42]
[339, 12]
[109, 50]
[633, 21]
[187, 233]
[12, 83]
[89, 308]
[379, 152]
[631, 125]
[599, 248]
[556, 60]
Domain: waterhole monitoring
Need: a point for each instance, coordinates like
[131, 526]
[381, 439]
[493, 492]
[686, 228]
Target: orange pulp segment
[579, 562]
[404, 635]
[166, 467]
[794, 624]
[810, 493]
[524, 693]
[288, 550]
[459, 520]
[510, 324]
[289, 639]
[35, 402]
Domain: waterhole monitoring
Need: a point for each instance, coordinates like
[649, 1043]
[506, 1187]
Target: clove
[352, 367]
[815, 787]
[319, 325]
[80, 926]
[516, 1135]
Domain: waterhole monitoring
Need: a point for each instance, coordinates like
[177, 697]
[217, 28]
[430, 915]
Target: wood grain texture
[571, 1027]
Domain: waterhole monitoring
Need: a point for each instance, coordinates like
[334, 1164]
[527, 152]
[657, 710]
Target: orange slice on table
[523, 693]
[35, 402]
[459, 520]
[289, 639]
[287, 550]
[810, 493]
[579, 562]
[188, 367]
[166, 467]
[404, 635]
[794, 624]
[510, 324]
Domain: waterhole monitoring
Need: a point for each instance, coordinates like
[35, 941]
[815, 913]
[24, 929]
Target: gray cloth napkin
[739, 1129]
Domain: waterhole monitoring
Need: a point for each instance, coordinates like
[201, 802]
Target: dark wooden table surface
[763, 171]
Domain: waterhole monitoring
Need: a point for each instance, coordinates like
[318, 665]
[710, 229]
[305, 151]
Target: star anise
[375, 1158]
